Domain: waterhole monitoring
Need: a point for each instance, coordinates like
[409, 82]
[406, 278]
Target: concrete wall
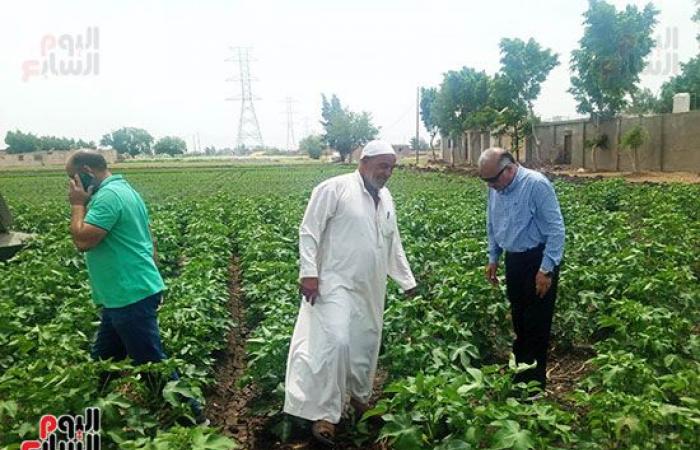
[681, 142]
[454, 149]
[552, 141]
[50, 158]
[674, 143]
[467, 148]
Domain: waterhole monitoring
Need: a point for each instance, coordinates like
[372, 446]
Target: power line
[291, 145]
[248, 127]
[401, 117]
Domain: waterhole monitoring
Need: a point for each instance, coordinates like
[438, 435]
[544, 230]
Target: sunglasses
[494, 178]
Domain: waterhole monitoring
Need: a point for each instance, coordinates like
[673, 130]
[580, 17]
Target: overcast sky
[162, 63]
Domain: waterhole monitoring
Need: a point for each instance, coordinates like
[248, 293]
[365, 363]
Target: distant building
[402, 151]
[46, 158]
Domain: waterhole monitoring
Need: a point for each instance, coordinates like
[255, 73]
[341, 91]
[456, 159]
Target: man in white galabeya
[348, 243]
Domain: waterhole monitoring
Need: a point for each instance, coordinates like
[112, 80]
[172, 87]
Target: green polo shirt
[121, 266]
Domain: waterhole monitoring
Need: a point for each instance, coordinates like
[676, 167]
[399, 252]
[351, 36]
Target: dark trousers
[132, 331]
[532, 315]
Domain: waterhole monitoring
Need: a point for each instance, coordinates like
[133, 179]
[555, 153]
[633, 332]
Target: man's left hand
[542, 284]
[76, 194]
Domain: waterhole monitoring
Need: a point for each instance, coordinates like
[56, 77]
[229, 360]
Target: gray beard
[374, 183]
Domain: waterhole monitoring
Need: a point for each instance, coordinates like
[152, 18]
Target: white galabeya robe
[351, 246]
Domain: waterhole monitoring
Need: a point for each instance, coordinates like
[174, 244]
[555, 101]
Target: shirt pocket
[386, 224]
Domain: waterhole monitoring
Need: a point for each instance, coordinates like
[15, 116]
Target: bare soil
[566, 368]
[641, 177]
[228, 405]
[575, 175]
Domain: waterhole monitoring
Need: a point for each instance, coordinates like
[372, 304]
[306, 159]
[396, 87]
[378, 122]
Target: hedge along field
[629, 290]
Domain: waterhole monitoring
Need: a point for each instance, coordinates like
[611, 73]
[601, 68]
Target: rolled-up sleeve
[550, 223]
[321, 208]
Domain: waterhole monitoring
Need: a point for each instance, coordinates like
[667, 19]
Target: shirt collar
[110, 179]
[360, 180]
[515, 182]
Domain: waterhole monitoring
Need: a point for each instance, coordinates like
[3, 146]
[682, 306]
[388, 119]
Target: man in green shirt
[109, 222]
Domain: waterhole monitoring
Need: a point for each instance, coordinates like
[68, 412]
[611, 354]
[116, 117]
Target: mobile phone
[86, 180]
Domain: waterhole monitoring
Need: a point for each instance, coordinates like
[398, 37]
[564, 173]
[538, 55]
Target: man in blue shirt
[525, 222]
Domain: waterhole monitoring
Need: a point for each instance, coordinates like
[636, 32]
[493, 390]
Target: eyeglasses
[494, 178]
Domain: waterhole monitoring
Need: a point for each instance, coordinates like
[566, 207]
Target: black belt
[530, 251]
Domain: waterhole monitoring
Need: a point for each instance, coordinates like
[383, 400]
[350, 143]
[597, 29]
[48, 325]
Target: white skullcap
[377, 147]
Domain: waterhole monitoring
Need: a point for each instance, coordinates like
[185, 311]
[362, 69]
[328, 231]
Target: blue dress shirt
[525, 215]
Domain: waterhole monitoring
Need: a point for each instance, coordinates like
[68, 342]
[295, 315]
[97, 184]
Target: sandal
[324, 432]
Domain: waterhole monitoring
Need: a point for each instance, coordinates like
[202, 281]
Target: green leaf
[213, 442]
[174, 388]
[8, 409]
[455, 444]
[510, 435]
[403, 433]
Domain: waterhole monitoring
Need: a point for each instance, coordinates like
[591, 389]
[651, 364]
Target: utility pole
[248, 127]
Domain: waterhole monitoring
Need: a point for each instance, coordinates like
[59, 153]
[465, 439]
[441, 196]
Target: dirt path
[228, 405]
[575, 175]
[565, 370]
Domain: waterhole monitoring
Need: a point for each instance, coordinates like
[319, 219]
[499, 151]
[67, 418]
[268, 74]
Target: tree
[344, 129]
[19, 142]
[210, 150]
[598, 142]
[632, 140]
[129, 140]
[83, 144]
[428, 96]
[418, 144]
[57, 143]
[686, 81]
[313, 145]
[643, 102]
[696, 17]
[611, 56]
[524, 67]
[170, 145]
[463, 102]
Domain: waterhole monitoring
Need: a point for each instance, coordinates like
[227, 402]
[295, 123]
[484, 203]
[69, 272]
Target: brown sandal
[324, 432]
